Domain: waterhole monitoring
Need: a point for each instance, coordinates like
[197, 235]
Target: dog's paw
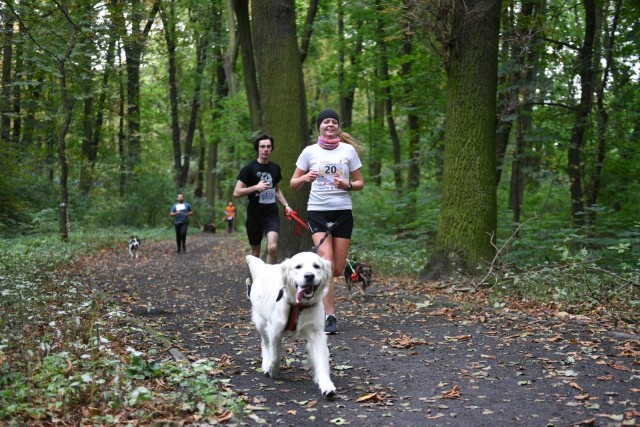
[329, 394]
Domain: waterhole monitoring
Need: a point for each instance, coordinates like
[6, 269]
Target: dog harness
[294, 312]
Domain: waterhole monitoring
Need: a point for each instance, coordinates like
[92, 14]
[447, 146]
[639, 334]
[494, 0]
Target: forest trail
[407, 353]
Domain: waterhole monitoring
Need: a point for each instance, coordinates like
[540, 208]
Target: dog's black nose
[309, 277]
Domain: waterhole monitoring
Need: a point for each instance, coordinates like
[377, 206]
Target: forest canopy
[490, 128]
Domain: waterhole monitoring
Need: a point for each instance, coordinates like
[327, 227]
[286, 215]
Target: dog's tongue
[300, 295]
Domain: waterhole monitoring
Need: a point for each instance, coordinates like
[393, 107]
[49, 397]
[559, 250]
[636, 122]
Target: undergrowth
[66, 356]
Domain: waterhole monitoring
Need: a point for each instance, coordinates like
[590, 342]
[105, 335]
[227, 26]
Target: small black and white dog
[134, 246]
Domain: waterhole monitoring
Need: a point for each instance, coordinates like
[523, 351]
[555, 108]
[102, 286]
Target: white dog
[134, 246]
[286, 300]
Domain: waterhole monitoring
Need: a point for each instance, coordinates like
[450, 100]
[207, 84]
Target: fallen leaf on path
[436, 416]
[619, 367]
[576, 386]
[405, 341]
[454, 393]
[608, 377]
[612, 417]
[458, 338]
[224, 417]
[375, 397]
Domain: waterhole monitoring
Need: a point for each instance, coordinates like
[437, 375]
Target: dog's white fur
[304, 279]
[134, 246]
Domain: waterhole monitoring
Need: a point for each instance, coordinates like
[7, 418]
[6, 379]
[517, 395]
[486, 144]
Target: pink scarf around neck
[328, 144]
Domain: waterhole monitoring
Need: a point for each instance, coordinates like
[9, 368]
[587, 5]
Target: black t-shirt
[261, 204]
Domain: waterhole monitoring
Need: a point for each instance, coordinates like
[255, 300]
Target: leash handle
[293, 215]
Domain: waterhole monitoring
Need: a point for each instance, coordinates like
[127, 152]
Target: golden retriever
[286, 300]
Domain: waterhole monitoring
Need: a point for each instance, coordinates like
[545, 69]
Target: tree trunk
[233, 45]
[375, 144]
[92, 153]
[201, 58]
[62, 137]
[198, 192]
[413, 125]
[5, 94]
[17, 89]
[602, 115]
[283, 100]
[468, 215]
[388, 101]
[134, 44]
[169, 25]
[507, 97]
[122, 155]
[241, 8]
[308, 29]
[347, 80]
[583, 110]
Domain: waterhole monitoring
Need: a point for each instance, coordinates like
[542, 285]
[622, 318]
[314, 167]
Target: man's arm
[242, 189]
[281, 198]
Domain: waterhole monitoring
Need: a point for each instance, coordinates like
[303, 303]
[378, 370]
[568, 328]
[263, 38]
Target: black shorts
[259, 227]
[319, 220]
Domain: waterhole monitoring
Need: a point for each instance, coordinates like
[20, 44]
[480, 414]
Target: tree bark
[201, 48]
[67, 105]
[468, 215]
[413, 121]
[134, 44]
[347, 79]
[167, 14]
[17, 90]
[602, 115]
[583, 110]
[5, 94]
[284, 102]
[307, 31]
[241, 9]
[388, 101]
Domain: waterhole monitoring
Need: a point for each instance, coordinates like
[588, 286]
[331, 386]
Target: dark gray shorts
[319, 220]
[259, 227]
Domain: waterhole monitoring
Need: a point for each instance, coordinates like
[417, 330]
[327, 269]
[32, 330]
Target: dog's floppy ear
[255, 265]
[285, 266]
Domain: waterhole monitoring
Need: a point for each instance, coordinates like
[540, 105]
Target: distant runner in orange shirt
[230, 213]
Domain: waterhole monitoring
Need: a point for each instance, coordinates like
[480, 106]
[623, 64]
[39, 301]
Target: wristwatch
[349, 188]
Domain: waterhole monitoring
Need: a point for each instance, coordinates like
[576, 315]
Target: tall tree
[385, 76]
[134, 35]
[283, 99]
[468, 215]
[245, 38]
[585, 68]
[348, 71]
[7, 77]
[602, 114]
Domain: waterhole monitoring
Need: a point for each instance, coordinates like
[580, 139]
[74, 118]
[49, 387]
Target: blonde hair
[348, 139]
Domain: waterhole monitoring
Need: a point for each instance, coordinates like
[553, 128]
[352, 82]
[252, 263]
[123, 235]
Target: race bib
[180, 207]
[327, 172]
[268, 196]
[331, 169]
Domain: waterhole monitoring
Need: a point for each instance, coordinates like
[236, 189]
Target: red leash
[293, 215]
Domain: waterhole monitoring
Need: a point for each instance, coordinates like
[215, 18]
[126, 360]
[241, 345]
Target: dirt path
[406, 354]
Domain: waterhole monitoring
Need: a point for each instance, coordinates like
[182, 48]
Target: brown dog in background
[358, 272]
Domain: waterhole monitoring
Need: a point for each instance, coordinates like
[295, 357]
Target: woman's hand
[310, 176]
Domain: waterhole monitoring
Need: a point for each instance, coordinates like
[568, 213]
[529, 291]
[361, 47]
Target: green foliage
[61, 359]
